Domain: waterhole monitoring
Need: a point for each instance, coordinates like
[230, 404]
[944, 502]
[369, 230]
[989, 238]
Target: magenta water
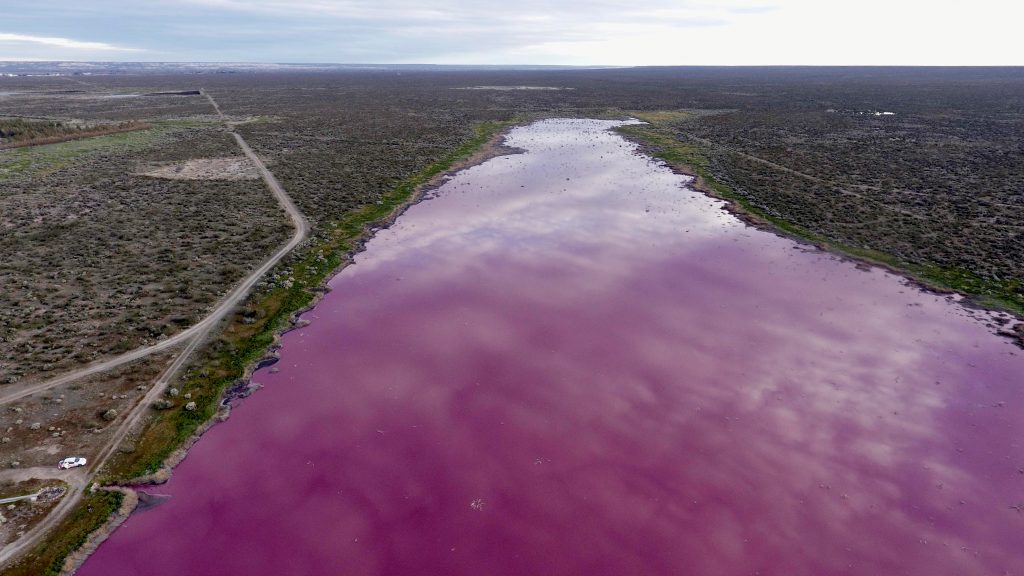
[565, 362]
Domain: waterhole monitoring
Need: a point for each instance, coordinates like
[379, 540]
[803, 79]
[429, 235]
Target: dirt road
[13, 392]
[73, 476]
[195, 336]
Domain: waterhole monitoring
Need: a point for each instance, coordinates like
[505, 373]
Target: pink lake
[566, 362]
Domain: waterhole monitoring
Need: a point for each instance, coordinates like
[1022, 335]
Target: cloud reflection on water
[627, 380]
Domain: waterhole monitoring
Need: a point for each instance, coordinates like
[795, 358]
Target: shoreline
[243, 386]
[493, 147]
[1013, 330]
[836, 282]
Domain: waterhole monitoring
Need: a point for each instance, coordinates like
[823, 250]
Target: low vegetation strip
[661, 138]
[20, 133]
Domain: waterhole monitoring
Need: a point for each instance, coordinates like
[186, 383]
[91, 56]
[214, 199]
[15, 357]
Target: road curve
[203, 327]
[196, 335]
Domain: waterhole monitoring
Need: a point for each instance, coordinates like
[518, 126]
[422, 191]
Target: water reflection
[568, 363]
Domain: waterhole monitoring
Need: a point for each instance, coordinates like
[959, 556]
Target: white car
[71, 462]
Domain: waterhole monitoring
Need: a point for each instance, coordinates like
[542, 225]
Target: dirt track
[195, 336]
[203, 327]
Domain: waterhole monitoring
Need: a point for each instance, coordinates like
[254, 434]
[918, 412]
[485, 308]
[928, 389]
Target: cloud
[482, 31]
[485, 13]
[57, 42]
[583, 32]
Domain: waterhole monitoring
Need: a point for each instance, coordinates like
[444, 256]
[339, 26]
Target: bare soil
[234, 168]
[69, 420]
[18, 517]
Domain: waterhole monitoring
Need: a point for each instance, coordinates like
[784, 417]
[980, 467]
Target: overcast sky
[581, 32]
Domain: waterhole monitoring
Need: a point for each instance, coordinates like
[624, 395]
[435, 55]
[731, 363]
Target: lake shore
[677, 157]
[515, 300]
[486, 145]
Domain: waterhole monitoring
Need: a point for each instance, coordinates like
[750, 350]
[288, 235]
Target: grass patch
[252, 328]
[22, 134]
[47, 558]
[47, 158]
[661, 142]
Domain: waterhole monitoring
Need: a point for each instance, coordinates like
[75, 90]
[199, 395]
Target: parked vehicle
[71, 462]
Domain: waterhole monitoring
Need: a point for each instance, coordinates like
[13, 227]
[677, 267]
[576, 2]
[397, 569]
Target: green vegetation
[660, 137]
[21, 129]
[252, 329]
[19, 132]
[48, 158]
[47, 558]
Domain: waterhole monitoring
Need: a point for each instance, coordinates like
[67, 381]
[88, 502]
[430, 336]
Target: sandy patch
[236, 168]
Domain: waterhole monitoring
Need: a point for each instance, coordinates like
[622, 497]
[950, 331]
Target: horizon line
[520, 65]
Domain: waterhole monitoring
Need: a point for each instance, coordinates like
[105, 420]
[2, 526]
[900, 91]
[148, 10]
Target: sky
[505, 32]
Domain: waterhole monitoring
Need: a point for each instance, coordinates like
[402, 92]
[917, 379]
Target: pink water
[568, 363]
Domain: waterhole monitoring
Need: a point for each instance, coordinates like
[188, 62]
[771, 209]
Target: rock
[16, 409]
[163, 404]
[190, 406]
[55, 434]
[127, 448]
[19, 421]
[110, 415]
[51, 493]
[51, 428]
[14, 464]
[35, 426]
[5, 440]
[249, 389]
[173, 392]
